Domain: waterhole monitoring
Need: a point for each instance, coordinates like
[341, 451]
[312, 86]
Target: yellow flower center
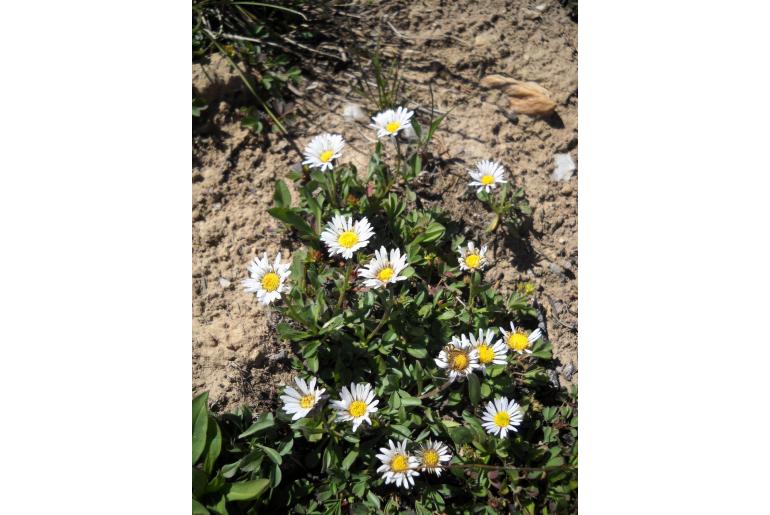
[347, 239]
[270, 282]
[485, 179]
[326, 155]
[486, 354]
[502, 419]
[473, 260]
[459, 360]
[430, 458]
[392, 127]
[307, 401]
[385, 274]
[357, 409]
[518, 341]
[399, 463]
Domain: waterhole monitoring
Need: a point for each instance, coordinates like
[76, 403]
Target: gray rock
[564, 167]
[568, 371]
[556, 269]
[553, 376]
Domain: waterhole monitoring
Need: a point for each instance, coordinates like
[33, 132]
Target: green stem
[333, 188]
[344, 286]
[471, 298]
[383, 321]
[398, 160]
[326, 427]
[437, 390]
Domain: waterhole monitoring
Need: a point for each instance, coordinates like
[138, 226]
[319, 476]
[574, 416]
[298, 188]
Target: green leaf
[214, 445]
[349, 459]
[199, 482]
[200, 422]
[247, 490]
[495, 370]
[416, 352]
[198, 508]
[402, 430]
[359, 489]
[486, 390]
[407, 272]
[474, 389]
[287, 332]
[264, 422]
[220, 508]
[315, 209]
[272, 454]
[252, 122]
[433, 232]
[216, 484]
[291, 218]
[460, 435]
[333, 324]
[275, 476]
[373, 499]
[408, 400]
[282, 196]
[434, 125]
[474, 425]
[395, 401]
[230, 469]
[493, 224]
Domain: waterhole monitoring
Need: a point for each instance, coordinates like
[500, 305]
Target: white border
[673, 252]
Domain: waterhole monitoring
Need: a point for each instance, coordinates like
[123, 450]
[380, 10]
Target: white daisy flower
[501, 416]
[389, 122]
[472, 258]
[518, 340]
[356, 404]
[431, 455]
[487, 175]
[381, 271]
[489, 353]
[267, 280]
[459, 358]
[342, 236]
[302, 402]
[322, 150]
[397, 465]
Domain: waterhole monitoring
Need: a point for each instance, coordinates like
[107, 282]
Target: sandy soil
[450, 45]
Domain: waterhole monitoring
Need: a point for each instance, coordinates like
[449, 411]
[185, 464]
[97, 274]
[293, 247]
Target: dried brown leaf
[525, 97]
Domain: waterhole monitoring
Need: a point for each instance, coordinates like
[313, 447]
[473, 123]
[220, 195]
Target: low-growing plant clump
[419, 387]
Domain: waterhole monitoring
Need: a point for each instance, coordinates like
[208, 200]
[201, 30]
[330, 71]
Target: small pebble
[556, 269]
[354, 112]
[567, 190]
[224, 283]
